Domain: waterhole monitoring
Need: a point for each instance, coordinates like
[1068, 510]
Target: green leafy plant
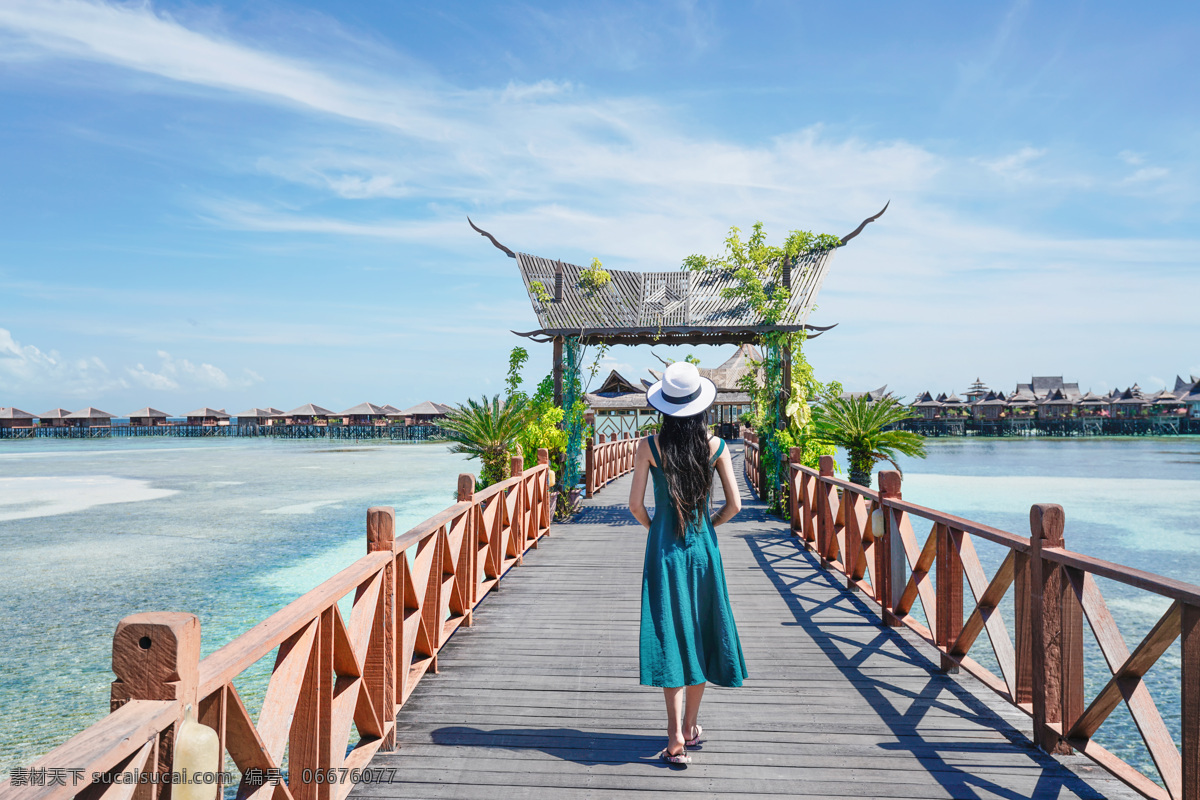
[755, 264]
[544, 428]
[594, 278]
[540, 293]
[512, 383]
[858, 426]
[489, 431]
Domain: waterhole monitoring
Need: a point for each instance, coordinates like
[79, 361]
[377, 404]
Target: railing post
[1057, 628]
[380, 666]
[1023, 624]
[949, 594]
[543, 457]
[824, 515]
[589, 470]
[794, 457]
[156, 656]
[889, 551]
[1189, 676]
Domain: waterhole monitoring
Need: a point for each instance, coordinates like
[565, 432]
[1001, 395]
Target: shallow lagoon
[232, 530]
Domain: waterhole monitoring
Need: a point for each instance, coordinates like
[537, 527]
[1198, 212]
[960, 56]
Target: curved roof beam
[508, 252]
[861, 225]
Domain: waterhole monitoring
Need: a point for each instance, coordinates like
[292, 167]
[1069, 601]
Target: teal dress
[687, 630]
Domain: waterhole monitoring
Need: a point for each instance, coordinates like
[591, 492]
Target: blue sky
[264, 204]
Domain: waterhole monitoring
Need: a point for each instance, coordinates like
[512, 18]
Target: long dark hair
[683, 445]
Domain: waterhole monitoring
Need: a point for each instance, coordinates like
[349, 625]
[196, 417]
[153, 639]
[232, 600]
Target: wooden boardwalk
[540, 699]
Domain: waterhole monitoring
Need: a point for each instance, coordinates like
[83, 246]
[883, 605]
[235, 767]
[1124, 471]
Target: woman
[688, 637]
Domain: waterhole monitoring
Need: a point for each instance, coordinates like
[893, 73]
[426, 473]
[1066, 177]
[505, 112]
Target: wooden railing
[604, 462]
[1054, 592]
[752, 459]
[331, 675]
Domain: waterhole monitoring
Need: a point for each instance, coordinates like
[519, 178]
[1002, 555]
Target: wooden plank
[1190, 706]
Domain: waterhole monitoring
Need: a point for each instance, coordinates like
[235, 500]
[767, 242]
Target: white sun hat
[682, 392]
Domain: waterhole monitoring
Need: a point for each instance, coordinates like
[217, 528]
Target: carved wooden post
[794, 457]
[589, 469]
[825, 535]
[1189, 676]
[1057, 627]
[156, 656]
[889, 551]
[466, 493]
[949, 593]
[380, 666]
[558, 371]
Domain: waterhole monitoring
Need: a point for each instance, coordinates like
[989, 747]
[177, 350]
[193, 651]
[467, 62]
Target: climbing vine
[757, 267]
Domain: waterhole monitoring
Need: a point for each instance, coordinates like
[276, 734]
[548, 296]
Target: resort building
[148, 417]
[54, 419]
[619, 405]
[207, 416]
[15, 418]
[309, 414]
[426, 413]
[259, 416]
[872, 395]
[927, 407]
[89, 418]
[365, 414]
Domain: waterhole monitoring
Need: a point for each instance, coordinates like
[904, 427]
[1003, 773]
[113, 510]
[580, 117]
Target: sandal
[695, 740]
[681, 757]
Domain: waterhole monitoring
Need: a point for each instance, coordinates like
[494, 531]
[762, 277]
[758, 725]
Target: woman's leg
[692, 710]
[675, 737]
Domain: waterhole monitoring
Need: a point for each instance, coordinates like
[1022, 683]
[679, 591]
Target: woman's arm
[637, 492]
[733, 497]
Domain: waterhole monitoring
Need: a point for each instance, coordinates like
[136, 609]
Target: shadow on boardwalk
[540, 699]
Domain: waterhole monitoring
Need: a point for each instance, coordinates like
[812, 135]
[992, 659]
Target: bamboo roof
[675, 307]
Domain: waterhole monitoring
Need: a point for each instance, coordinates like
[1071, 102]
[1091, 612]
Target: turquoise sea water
[92, 531]
[1133, 501]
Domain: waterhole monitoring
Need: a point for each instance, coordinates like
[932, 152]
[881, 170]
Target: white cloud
[1015, 166]
[26, 368]
[180, 373]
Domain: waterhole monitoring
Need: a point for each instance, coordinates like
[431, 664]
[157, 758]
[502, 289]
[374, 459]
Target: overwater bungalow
[365, 414]
[257, 416]
[54, 419]
[426, 413]
[1056, 405]
[90, 418]
[927, 406]
[13, 417]
[1130, 403]
[148, 417]
[1022, 402]
[991, 407]
[1191, 401]
[953, 405]
[1093, 405]
[308, 414]
[208, 417]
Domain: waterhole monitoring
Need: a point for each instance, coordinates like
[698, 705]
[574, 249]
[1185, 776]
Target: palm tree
[857, 425]
[488, 430]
